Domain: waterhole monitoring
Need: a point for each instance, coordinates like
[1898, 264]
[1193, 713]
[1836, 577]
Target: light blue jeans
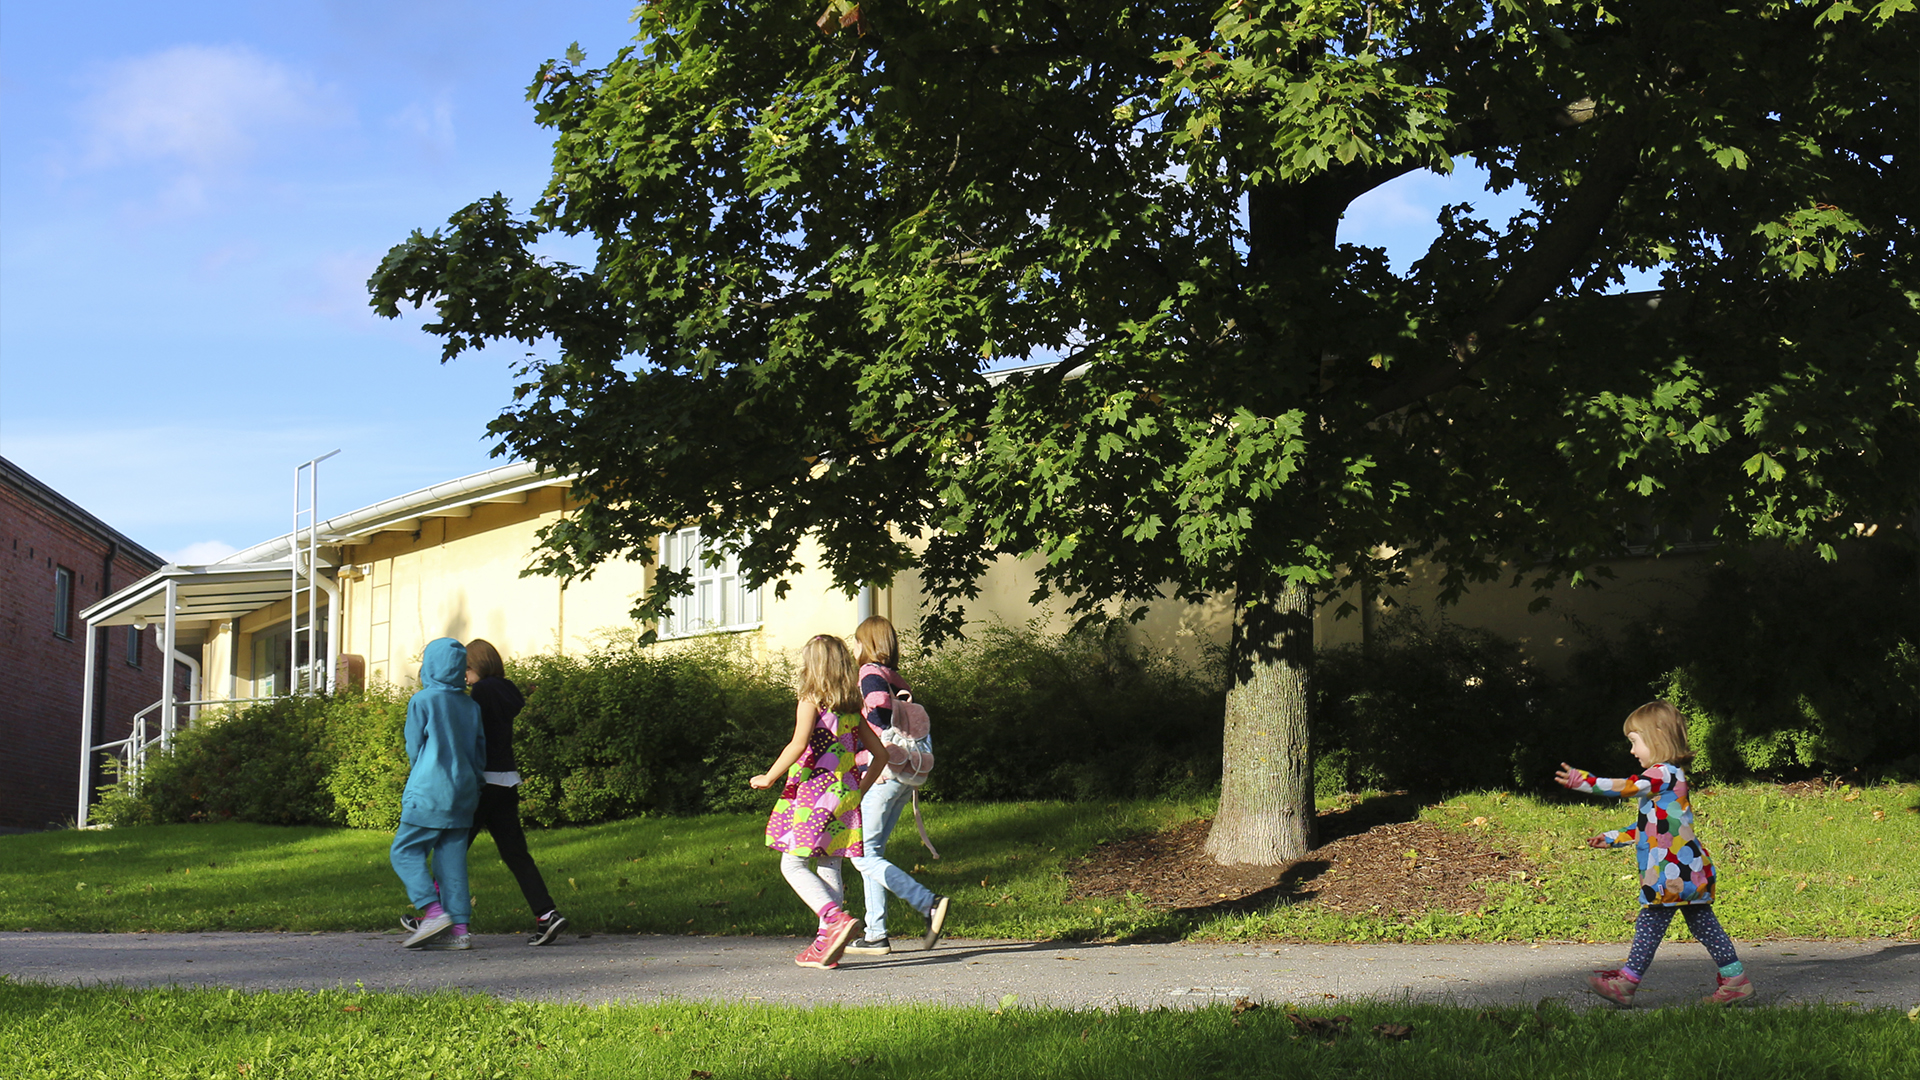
[879, 813]
[412, 844]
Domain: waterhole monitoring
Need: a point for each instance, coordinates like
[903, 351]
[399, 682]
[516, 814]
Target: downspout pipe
[96, 719]
[332, 589]
[193, 684]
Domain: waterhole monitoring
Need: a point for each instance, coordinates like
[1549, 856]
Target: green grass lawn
[1832, 865]
[56, 1033]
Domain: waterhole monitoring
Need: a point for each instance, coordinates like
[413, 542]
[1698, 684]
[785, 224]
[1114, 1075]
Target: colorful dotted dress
[819, 809]
[1674, 866]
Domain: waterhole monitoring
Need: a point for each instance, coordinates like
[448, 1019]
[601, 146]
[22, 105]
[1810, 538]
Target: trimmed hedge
[679, 730]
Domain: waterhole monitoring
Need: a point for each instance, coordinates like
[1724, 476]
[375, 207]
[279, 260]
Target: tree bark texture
[1266, 783]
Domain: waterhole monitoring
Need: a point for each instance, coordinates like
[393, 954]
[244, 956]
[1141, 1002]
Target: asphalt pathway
[602, 968]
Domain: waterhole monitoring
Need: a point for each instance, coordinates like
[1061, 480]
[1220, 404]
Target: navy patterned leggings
[1652, 925]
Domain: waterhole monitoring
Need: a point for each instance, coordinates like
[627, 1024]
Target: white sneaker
[428, 928]
[936, 921]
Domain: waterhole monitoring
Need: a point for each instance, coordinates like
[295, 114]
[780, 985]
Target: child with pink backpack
[888, 707]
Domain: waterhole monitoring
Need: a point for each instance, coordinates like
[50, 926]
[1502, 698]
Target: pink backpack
[909, 747]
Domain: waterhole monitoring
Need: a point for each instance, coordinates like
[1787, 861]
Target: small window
[134, 637]
[63, 602]
[720, 599]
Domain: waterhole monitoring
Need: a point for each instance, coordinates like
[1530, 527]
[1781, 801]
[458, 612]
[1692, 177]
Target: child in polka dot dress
[1675, 870]
[818, 815]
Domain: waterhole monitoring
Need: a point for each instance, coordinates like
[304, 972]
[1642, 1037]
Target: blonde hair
[1662, 728]
[874, 642]
[484, 660]
[828, 676]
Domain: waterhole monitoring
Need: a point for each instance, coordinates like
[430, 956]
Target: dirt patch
[1396, 868]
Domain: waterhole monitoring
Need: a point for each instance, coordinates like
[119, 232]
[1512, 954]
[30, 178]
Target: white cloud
[201, 111]
[199, 553]
[430, 126]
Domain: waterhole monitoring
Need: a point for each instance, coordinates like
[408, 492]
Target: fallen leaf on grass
[699, 1074]
[1320, 1026]
[1244, 1005]
[1393, 1031]
[349, 1008]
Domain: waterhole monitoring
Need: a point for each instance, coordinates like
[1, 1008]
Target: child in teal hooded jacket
[447, 749]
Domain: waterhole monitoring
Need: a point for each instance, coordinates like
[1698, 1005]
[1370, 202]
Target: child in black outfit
[499, 811]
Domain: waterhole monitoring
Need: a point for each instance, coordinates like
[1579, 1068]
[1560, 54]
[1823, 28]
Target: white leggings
[818, 886]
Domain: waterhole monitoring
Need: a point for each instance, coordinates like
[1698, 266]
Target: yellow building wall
[1549, 637]
[460, 577]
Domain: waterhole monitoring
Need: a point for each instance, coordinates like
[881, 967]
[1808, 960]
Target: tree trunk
[1266, 784]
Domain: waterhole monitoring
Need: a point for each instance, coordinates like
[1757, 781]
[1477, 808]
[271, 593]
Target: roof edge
[35, 489]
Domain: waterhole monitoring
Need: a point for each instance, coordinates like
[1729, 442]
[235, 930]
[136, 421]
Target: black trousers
[499, 814]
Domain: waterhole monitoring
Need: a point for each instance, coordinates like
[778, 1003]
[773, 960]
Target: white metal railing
[132, 750]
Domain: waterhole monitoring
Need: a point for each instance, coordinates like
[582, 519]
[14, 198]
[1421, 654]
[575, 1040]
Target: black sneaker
[870, 947]
[547, 929]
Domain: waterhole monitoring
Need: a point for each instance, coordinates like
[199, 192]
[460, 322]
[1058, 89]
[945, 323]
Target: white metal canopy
[187, 602]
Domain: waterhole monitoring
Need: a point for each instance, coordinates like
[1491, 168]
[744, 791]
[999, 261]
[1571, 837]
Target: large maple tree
[818, 229]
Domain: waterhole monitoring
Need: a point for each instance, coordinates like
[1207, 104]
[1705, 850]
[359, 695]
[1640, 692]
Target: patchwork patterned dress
[1674, 866]
[819, 809]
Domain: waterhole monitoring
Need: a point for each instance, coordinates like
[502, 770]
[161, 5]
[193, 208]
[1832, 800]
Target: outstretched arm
[1615, 838]
[1653, 781]
[803, 718]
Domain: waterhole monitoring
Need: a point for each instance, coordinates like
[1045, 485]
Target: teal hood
[444, 665]
[445, 743]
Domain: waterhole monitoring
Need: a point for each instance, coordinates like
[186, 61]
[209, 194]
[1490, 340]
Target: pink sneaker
[839, 930]
[1731, 991]
[1614, 986]
[815, 955]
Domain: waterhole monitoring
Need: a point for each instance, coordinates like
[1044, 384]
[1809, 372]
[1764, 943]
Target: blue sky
[191, 199]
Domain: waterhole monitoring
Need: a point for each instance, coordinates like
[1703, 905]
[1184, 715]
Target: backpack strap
[920, 824]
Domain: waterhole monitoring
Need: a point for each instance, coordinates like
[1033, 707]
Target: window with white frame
[720, 598]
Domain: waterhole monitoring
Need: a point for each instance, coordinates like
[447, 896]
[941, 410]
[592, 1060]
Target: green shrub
[1427, 706]
[368, 756]
[1086, 715]
[266, 764]
[1786, 666]
[1791, 665]
[646, 730]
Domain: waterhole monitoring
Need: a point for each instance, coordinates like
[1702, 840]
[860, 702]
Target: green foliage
[636, 730]
[1089, 714]
[309, 760]
[265, 763]
[1427, 706]
[68, 1033]
[1786, 665]
[811, 247]
[646, 730]
[1790, 665]
[367, 757]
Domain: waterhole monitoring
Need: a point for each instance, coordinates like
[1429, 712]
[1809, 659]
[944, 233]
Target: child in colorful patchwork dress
[818, 815]
[1675, 870]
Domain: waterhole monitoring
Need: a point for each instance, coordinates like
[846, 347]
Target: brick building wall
[42, 668]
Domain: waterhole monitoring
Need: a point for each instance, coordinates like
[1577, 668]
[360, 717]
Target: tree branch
[1557, 249]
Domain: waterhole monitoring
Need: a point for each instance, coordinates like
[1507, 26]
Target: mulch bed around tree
[1395, 868]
